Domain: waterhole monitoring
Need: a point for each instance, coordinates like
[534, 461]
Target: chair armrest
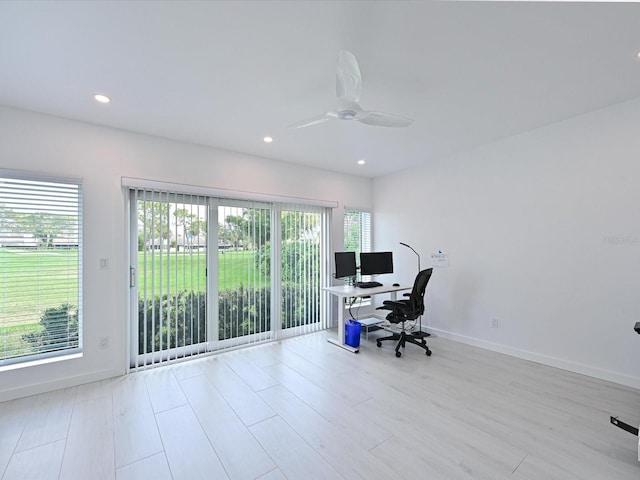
[385, 307]
[394, 305]
[395, 302]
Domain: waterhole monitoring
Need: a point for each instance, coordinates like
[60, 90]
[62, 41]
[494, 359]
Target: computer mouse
[396, 284]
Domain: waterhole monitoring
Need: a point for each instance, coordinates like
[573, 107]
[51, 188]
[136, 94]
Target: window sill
[40, 361]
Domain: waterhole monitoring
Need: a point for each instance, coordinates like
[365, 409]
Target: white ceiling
[225, 74]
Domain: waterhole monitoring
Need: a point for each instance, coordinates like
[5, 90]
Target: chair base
[402, 339]
[420, 334]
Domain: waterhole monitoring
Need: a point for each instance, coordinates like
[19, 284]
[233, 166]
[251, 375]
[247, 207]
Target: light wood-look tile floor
[305, 409]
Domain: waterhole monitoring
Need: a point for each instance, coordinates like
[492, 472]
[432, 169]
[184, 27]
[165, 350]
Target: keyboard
[368, 284]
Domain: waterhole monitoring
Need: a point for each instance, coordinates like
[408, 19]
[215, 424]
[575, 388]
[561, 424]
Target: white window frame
[50, 195]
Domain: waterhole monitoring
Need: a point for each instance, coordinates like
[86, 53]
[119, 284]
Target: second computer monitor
[376, 263]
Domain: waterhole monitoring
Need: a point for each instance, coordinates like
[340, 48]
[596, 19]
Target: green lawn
[27, 276]
[188, 272]
[25, 295]
[184, 273]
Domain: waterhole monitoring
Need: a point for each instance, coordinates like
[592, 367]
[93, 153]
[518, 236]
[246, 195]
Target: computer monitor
[376, 263]
[345, 264]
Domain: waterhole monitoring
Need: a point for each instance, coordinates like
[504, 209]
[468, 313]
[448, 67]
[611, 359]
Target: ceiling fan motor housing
[347, 115]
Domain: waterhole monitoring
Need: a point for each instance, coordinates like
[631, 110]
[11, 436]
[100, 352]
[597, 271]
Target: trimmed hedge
[59, 329]
[180, 320]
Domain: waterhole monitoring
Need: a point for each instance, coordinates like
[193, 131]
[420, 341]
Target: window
[40, 268]
[357, 232]
[357, 238]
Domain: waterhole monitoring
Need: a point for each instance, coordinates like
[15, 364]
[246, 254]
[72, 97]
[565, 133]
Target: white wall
[101, 156]
[542, 232]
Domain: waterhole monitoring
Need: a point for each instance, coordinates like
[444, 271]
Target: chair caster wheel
[379, 344]
[424, 342]
[428, 353]
[398, 354]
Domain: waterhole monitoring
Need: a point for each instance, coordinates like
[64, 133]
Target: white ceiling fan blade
[348, 77]
[312, 121]
[380, 119]
[348, 89]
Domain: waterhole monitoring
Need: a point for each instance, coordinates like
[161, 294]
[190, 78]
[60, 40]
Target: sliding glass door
[210, 273]
[168, 275]
[243, 273]
[300, 268]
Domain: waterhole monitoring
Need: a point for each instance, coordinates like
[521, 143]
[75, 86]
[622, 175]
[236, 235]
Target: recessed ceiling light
[99, 97]
[361, 162]
[268, 139]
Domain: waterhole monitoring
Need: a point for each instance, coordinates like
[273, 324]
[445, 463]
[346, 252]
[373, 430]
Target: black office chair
[408, 309]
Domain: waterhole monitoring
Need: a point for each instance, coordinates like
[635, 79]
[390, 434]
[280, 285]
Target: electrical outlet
[104, 264]
[104, 342]
[494, 323]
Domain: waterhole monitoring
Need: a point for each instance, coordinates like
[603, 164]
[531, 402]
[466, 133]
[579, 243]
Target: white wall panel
[542, 232]
[102, 156]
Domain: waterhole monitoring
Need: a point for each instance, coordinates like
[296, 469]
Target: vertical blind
[170, 265]
[215, 273]
[40, 269]
[244, 272]
[300, 268]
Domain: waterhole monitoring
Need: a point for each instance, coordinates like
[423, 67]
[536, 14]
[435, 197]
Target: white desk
[347, 291]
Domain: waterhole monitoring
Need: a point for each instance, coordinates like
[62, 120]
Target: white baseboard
[57, 384]
[589, 370]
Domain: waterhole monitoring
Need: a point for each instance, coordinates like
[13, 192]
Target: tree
[153, 222]
[254, 226]
[299, 257]
[234, 230]
[352, 231]
[46, 227]
[258, 230]
[192, 227]
[198, 227]
[59, 329]
[357, 229]
[298, 226]
[7, 223]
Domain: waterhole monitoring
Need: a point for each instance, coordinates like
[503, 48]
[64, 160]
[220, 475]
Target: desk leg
[340, 340]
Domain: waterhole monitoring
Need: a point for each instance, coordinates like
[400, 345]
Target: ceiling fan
[348, 88]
